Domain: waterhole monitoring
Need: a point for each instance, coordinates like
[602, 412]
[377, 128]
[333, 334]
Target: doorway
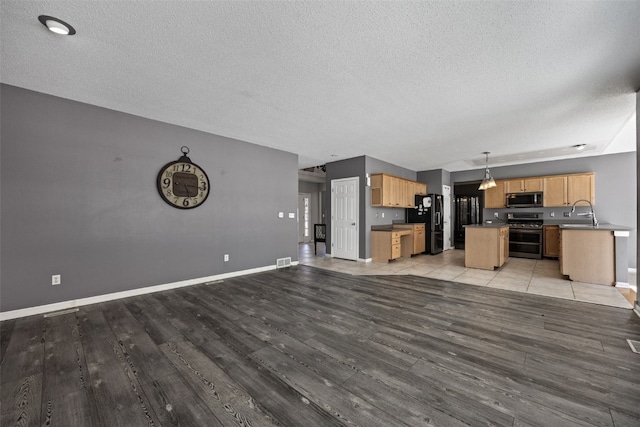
[344, 217]
[446, 215]
[304, 215]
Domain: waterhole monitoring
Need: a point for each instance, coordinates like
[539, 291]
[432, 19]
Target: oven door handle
[524, 230]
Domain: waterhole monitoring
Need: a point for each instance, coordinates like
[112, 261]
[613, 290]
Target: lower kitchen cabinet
[387, 245]
[417, 244]
[486, 247]
[551, 241]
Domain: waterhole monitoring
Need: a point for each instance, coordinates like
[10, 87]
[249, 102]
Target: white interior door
[304, 215]
[446, 217]
[344, 218]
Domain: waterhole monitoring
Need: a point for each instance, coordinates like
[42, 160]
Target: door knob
[353, 223]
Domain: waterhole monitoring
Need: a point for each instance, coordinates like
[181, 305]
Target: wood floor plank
[312, 347]
[21, 401]
[345, 406]
[25, 351]
[177, 404]
[233, 405]
[400, 405]
[155, 324]
[6, 329]
[271, 394]
[65, 369]
[77, 408]
[118, 395]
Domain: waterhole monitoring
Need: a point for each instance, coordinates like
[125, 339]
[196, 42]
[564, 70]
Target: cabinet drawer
[395, 251]
[395, 241]
[395, 236]
[418, 228]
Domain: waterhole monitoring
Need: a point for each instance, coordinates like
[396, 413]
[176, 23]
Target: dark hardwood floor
[308, 347]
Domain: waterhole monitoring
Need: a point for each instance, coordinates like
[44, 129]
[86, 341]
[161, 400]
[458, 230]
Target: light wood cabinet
[387, 245]
[416, 244]
[551, 241]
[588, 256]
[554, 191]
[486, 247]
[393, 192]
[523, 185]
[565, 190]
[494, 198]
[581, 187]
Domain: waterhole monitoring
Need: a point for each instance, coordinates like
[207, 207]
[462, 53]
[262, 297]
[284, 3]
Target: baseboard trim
[65, 305]
[623, 285]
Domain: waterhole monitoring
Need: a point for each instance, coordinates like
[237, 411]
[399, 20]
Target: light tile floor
[540, 277]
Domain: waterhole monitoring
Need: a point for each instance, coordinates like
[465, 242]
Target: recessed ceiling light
[56, 25]
[580, 147]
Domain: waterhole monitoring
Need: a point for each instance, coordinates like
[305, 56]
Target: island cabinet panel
[588, 256]
[523, 185]
[551, 241]
[494, 198]
[486, 247]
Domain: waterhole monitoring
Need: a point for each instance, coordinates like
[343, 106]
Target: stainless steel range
[525, 234]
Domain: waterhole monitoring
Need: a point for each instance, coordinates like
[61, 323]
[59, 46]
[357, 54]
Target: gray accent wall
[615, 188]
[435, 179]
[368, 215]
[78, 198]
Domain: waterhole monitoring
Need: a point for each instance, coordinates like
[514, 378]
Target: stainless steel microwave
[524, 200]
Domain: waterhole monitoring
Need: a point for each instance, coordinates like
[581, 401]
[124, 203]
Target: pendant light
[487, 181]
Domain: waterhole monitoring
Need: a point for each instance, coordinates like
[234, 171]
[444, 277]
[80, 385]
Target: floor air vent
[635, 346]
[283, 262]
[71, 310]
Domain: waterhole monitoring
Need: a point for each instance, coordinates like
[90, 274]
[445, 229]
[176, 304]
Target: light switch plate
[292, 215]
[280, 214]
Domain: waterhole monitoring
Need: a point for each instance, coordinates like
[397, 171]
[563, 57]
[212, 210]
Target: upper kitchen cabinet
[523, 185]
[565, 190]
[494, 198]
[393, 192]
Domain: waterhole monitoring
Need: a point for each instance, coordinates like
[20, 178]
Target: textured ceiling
[423, 85]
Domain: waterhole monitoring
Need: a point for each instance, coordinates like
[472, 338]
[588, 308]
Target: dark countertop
[487, 225]
[389, 227]
[603, 227]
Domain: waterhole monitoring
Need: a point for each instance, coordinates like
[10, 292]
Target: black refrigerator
[428, 209]
[467, 211]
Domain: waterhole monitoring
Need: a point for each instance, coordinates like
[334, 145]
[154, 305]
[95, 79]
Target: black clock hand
[187, 188]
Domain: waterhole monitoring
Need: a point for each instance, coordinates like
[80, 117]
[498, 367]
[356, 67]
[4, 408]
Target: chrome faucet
[594, 220]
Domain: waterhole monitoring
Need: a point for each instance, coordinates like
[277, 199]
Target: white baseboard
[623, 285]
[365, 260]
[64, 305]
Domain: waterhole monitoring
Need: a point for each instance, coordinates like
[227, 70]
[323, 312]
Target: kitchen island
[594, 254]
[486, 246]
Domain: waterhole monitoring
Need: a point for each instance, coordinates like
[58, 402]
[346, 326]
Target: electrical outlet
[55, 279]
[495, 215]
[382, 214]
[552, 214]
[226, 257]
[567, 214]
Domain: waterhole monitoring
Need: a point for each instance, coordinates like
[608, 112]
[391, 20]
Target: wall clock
[183, 184]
